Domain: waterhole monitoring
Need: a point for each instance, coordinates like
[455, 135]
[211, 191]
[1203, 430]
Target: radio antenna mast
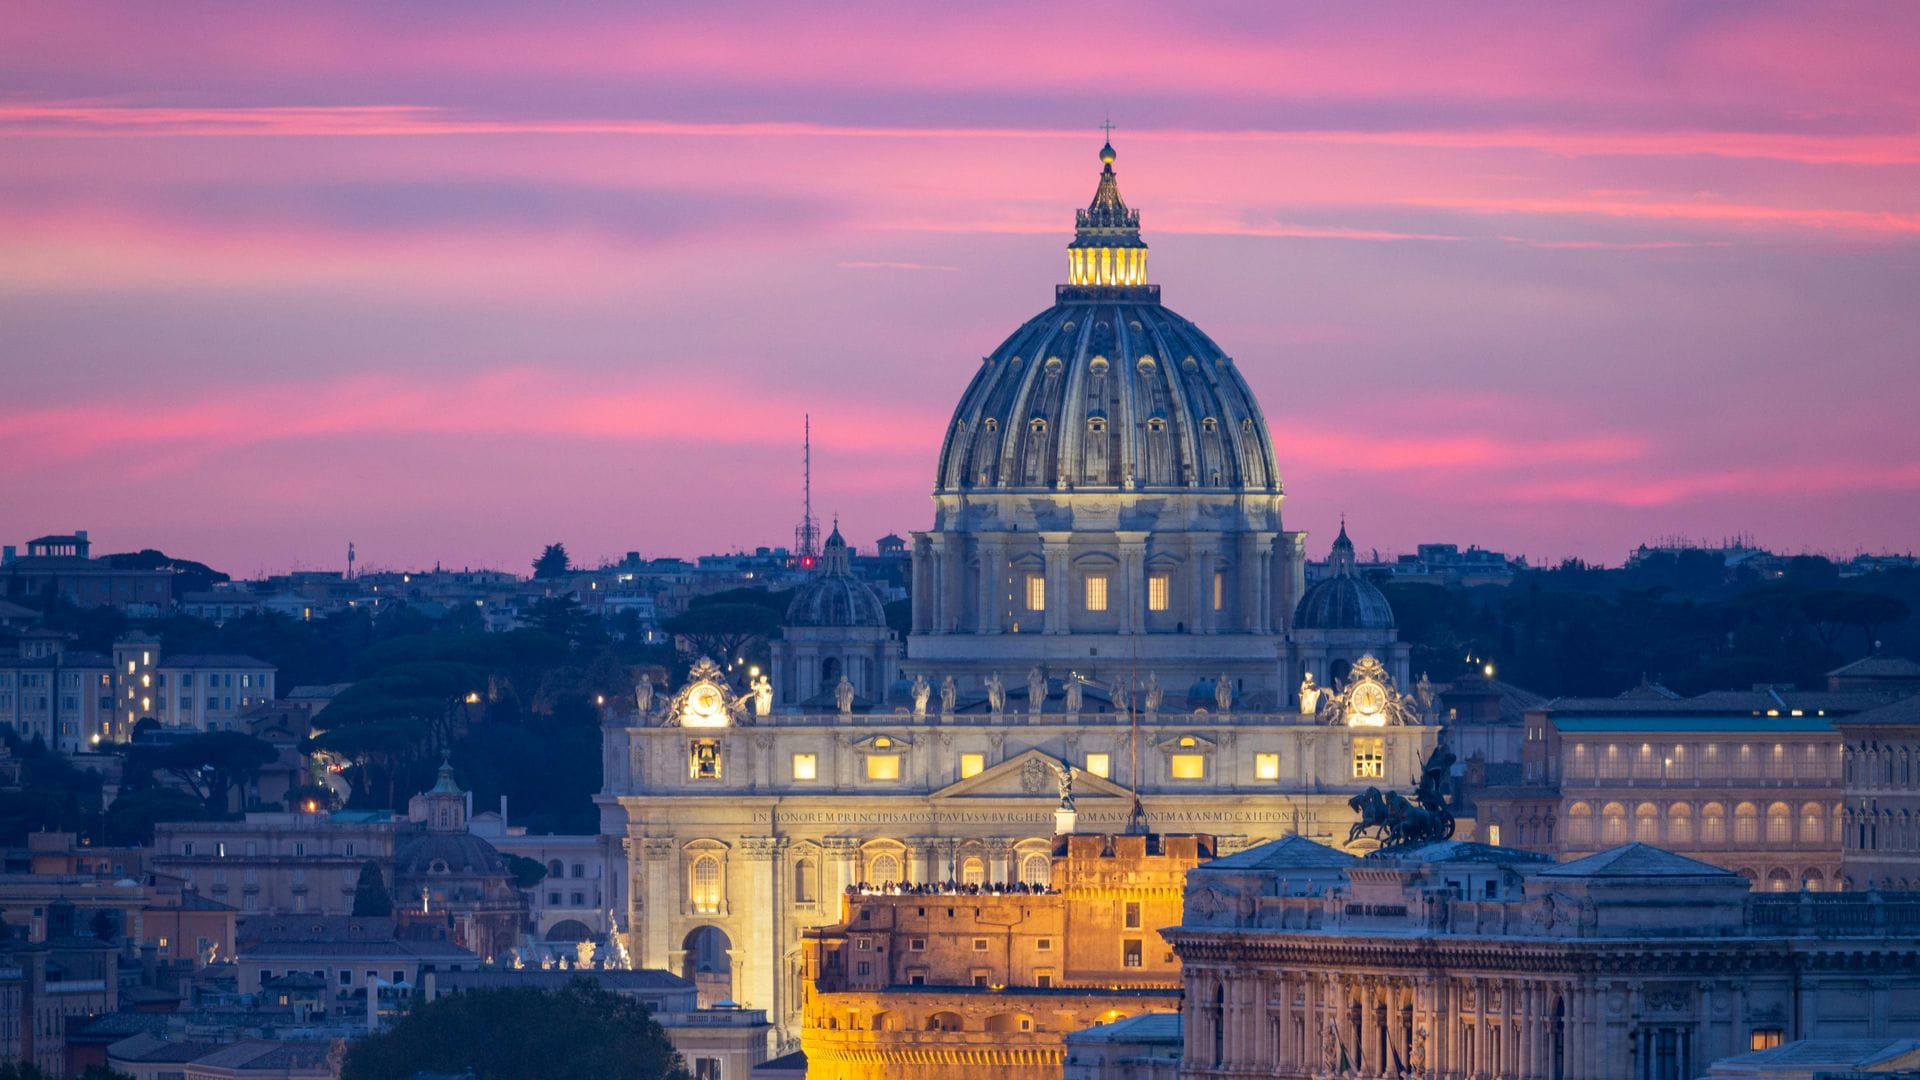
[806, 535]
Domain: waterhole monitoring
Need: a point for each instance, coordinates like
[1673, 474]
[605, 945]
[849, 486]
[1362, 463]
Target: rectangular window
[1189, 766]
[806, 767]
[1266, 766]
[863, 968]
[1044, 944]
[1764, 1038]
[1370, 758]
[1036, 592]
[1130, 915]
[918, 944]
[1043, 980]
[1096, 592]
[1130, 953]
[979, 944]
[972, 765]
[1100, 765]
[1157, 592]
[883, 766]
[1493, 835]
[706, 1068]
[1219, 591]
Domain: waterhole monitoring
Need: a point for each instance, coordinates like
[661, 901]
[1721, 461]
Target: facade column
[923, 601]
[1053, 547]
[1265, 590]
[993, 586]
[1203, 562]
[999, 859]
[1246, 576]
[655, 888]
[1133, 562]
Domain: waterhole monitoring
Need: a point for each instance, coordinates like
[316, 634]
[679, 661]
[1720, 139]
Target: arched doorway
[707, 964]
[569, 930]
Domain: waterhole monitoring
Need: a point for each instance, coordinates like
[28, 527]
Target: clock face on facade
[706, 707]
[1367, 705]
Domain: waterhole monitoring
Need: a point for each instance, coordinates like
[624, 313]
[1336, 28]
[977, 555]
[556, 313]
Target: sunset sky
[452, 281]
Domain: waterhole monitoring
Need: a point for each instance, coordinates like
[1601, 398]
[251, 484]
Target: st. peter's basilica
[1109, 615]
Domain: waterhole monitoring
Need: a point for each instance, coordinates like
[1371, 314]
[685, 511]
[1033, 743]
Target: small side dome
[835, 598]
[1343, 600]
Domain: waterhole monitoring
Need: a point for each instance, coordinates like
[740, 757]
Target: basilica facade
[1107, 611]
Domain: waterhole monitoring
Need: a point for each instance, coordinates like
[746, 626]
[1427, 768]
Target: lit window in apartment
[883, 766]
[1370, 758]
[1493, 836]
[1189, 766]
[1157, 591]
[806, 767]
[1096, 592]
[1219, 591]
[1036, 592]
[1100, 765]
[1266, 766]
[972, 765]
[1764, 1038]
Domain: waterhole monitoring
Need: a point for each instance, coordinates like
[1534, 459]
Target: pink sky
[454, 281]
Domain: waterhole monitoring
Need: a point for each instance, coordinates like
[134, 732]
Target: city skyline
[454, 292]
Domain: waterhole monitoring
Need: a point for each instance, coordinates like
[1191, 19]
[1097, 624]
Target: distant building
[942, 983]
[63, 566]
[1463, 960]
[1881, 793]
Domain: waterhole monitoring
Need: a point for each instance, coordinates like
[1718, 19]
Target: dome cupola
[1107, 390]
[835, 597]
[1344, 599]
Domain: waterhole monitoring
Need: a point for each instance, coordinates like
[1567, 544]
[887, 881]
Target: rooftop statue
[921, 691]
[996, 694]
[1397, 821]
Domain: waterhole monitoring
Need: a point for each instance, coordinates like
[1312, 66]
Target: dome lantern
[1107, 252]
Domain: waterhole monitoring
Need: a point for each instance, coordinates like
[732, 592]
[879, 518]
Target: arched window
[805, 883]
[1779, 823]
[883, 870]
[1579, 824]
[1713, 824]
[1036, 869]
[1746, 824]
[1613, 823]
[945, 1021]
[705, 884]
[973, 871]
[1812, 881]
[1779, 880]
[1813, 824]
[1679, 824]
[554, 869]
[1646, 823]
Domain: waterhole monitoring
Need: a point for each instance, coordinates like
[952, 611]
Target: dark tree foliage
[210, 765]
[521, 1034]
[526, 872]
[54, 795]
[189, 576]
[553, 562]
[370, 897]
[130, 820]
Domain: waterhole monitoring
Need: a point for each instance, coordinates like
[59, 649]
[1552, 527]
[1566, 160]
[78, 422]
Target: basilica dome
[1107, 389]
[834, 597]
[1344, 599]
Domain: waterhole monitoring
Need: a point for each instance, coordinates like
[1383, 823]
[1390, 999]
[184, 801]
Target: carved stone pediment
[1029, 775]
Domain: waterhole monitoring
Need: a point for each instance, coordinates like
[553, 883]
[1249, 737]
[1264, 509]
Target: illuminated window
[806, 767]
[1266, 766]
[704, 759]
[706, 885]
[1157, 592]
[972, 765]
[883, 870]
[1189, 766]
[1036, 592]
[1219, 591]
[1096, 592]
[1493, 835]
[1764, 1038]
[1370, 758]
[973, 872]
[883, 766]
[1037, 869]
[1100, 765]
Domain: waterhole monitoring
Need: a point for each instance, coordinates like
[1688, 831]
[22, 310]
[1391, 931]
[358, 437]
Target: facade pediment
[1031, 775]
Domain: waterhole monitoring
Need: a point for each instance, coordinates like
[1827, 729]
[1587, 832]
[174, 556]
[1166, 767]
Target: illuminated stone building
[1746, 780]
[1881, 794]
[940, 983]
[1462, 960]
[1106, 585]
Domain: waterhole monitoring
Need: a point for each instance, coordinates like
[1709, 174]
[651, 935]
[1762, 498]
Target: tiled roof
[1878, 667]
[1636, 860]
[1153, 1027]
[1904, 711]
[1693, 722]
[212, 660]
[1287, 852]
